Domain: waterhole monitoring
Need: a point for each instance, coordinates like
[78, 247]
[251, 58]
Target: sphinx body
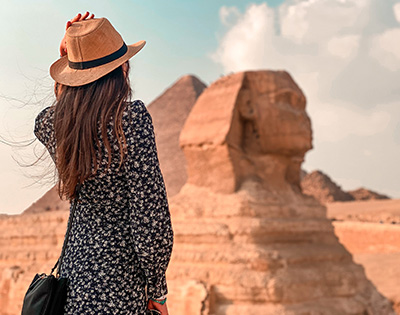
[247, 241]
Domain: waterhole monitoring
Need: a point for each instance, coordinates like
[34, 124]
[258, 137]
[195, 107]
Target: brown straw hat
[95, 48]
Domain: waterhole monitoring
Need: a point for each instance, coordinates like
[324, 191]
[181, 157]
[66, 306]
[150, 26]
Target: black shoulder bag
[47, 294]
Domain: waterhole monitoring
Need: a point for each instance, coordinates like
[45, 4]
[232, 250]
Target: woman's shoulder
[136, 110]
[137, 119]
[135, 106]
[44, 113]
[43, 121]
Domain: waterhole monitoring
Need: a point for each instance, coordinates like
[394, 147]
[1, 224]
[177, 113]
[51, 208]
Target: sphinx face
[274, 117]
[249, 125]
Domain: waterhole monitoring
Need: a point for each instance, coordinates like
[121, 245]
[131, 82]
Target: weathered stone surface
[281, 264]
[30, 243]
[247, 125]
[187, 297]
[242, 225]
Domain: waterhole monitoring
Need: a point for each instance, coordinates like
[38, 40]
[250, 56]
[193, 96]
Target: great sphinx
[247, 241]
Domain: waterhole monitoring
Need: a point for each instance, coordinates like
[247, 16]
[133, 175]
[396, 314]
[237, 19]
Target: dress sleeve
[149, 209]
[39, 128]
[44, 129]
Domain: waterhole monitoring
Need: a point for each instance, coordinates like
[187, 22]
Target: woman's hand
[78, 17]
[157, 306]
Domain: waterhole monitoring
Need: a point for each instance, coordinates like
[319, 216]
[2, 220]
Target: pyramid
[324, 189]
[169, 112]
[321, 187]
[363, 193]
[50, 201]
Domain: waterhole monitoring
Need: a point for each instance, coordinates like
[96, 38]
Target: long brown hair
[77, 113]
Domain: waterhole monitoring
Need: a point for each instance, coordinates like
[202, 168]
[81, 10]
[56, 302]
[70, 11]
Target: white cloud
[385, 48]
[318, 42]
[255, 24]
[313, 21]
[345, 56]
[343, 46]
[348, 183]
[335, 123]
[229, 15]
[294, 25]
[367, 152]
[396, 11]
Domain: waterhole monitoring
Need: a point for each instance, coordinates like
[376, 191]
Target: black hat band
[100, 61]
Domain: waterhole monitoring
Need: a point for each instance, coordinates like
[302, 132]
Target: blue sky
[180, 35]
[344, 54]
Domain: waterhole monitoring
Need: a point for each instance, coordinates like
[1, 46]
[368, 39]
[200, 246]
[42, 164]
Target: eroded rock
[242, 226]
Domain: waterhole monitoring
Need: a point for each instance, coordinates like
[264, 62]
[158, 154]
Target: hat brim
[62, 73]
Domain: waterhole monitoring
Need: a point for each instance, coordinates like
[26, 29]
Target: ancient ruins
[169, 112]
[247, 241]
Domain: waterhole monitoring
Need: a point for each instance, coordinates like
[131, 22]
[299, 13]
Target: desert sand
[370, 230]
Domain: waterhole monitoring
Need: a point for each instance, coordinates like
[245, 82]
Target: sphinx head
[247, 125]
[272, 112]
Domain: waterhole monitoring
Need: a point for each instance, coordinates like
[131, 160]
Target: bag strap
[71, 218]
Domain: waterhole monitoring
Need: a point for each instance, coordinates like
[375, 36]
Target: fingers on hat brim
[62, 73]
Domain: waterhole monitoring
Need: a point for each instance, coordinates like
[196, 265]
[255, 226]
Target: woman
[121, 237]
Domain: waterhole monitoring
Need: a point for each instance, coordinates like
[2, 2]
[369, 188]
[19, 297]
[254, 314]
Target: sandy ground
[384, 271]
[370, 230]
[378, 211]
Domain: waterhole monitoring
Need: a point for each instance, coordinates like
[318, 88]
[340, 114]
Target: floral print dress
[121, 236]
